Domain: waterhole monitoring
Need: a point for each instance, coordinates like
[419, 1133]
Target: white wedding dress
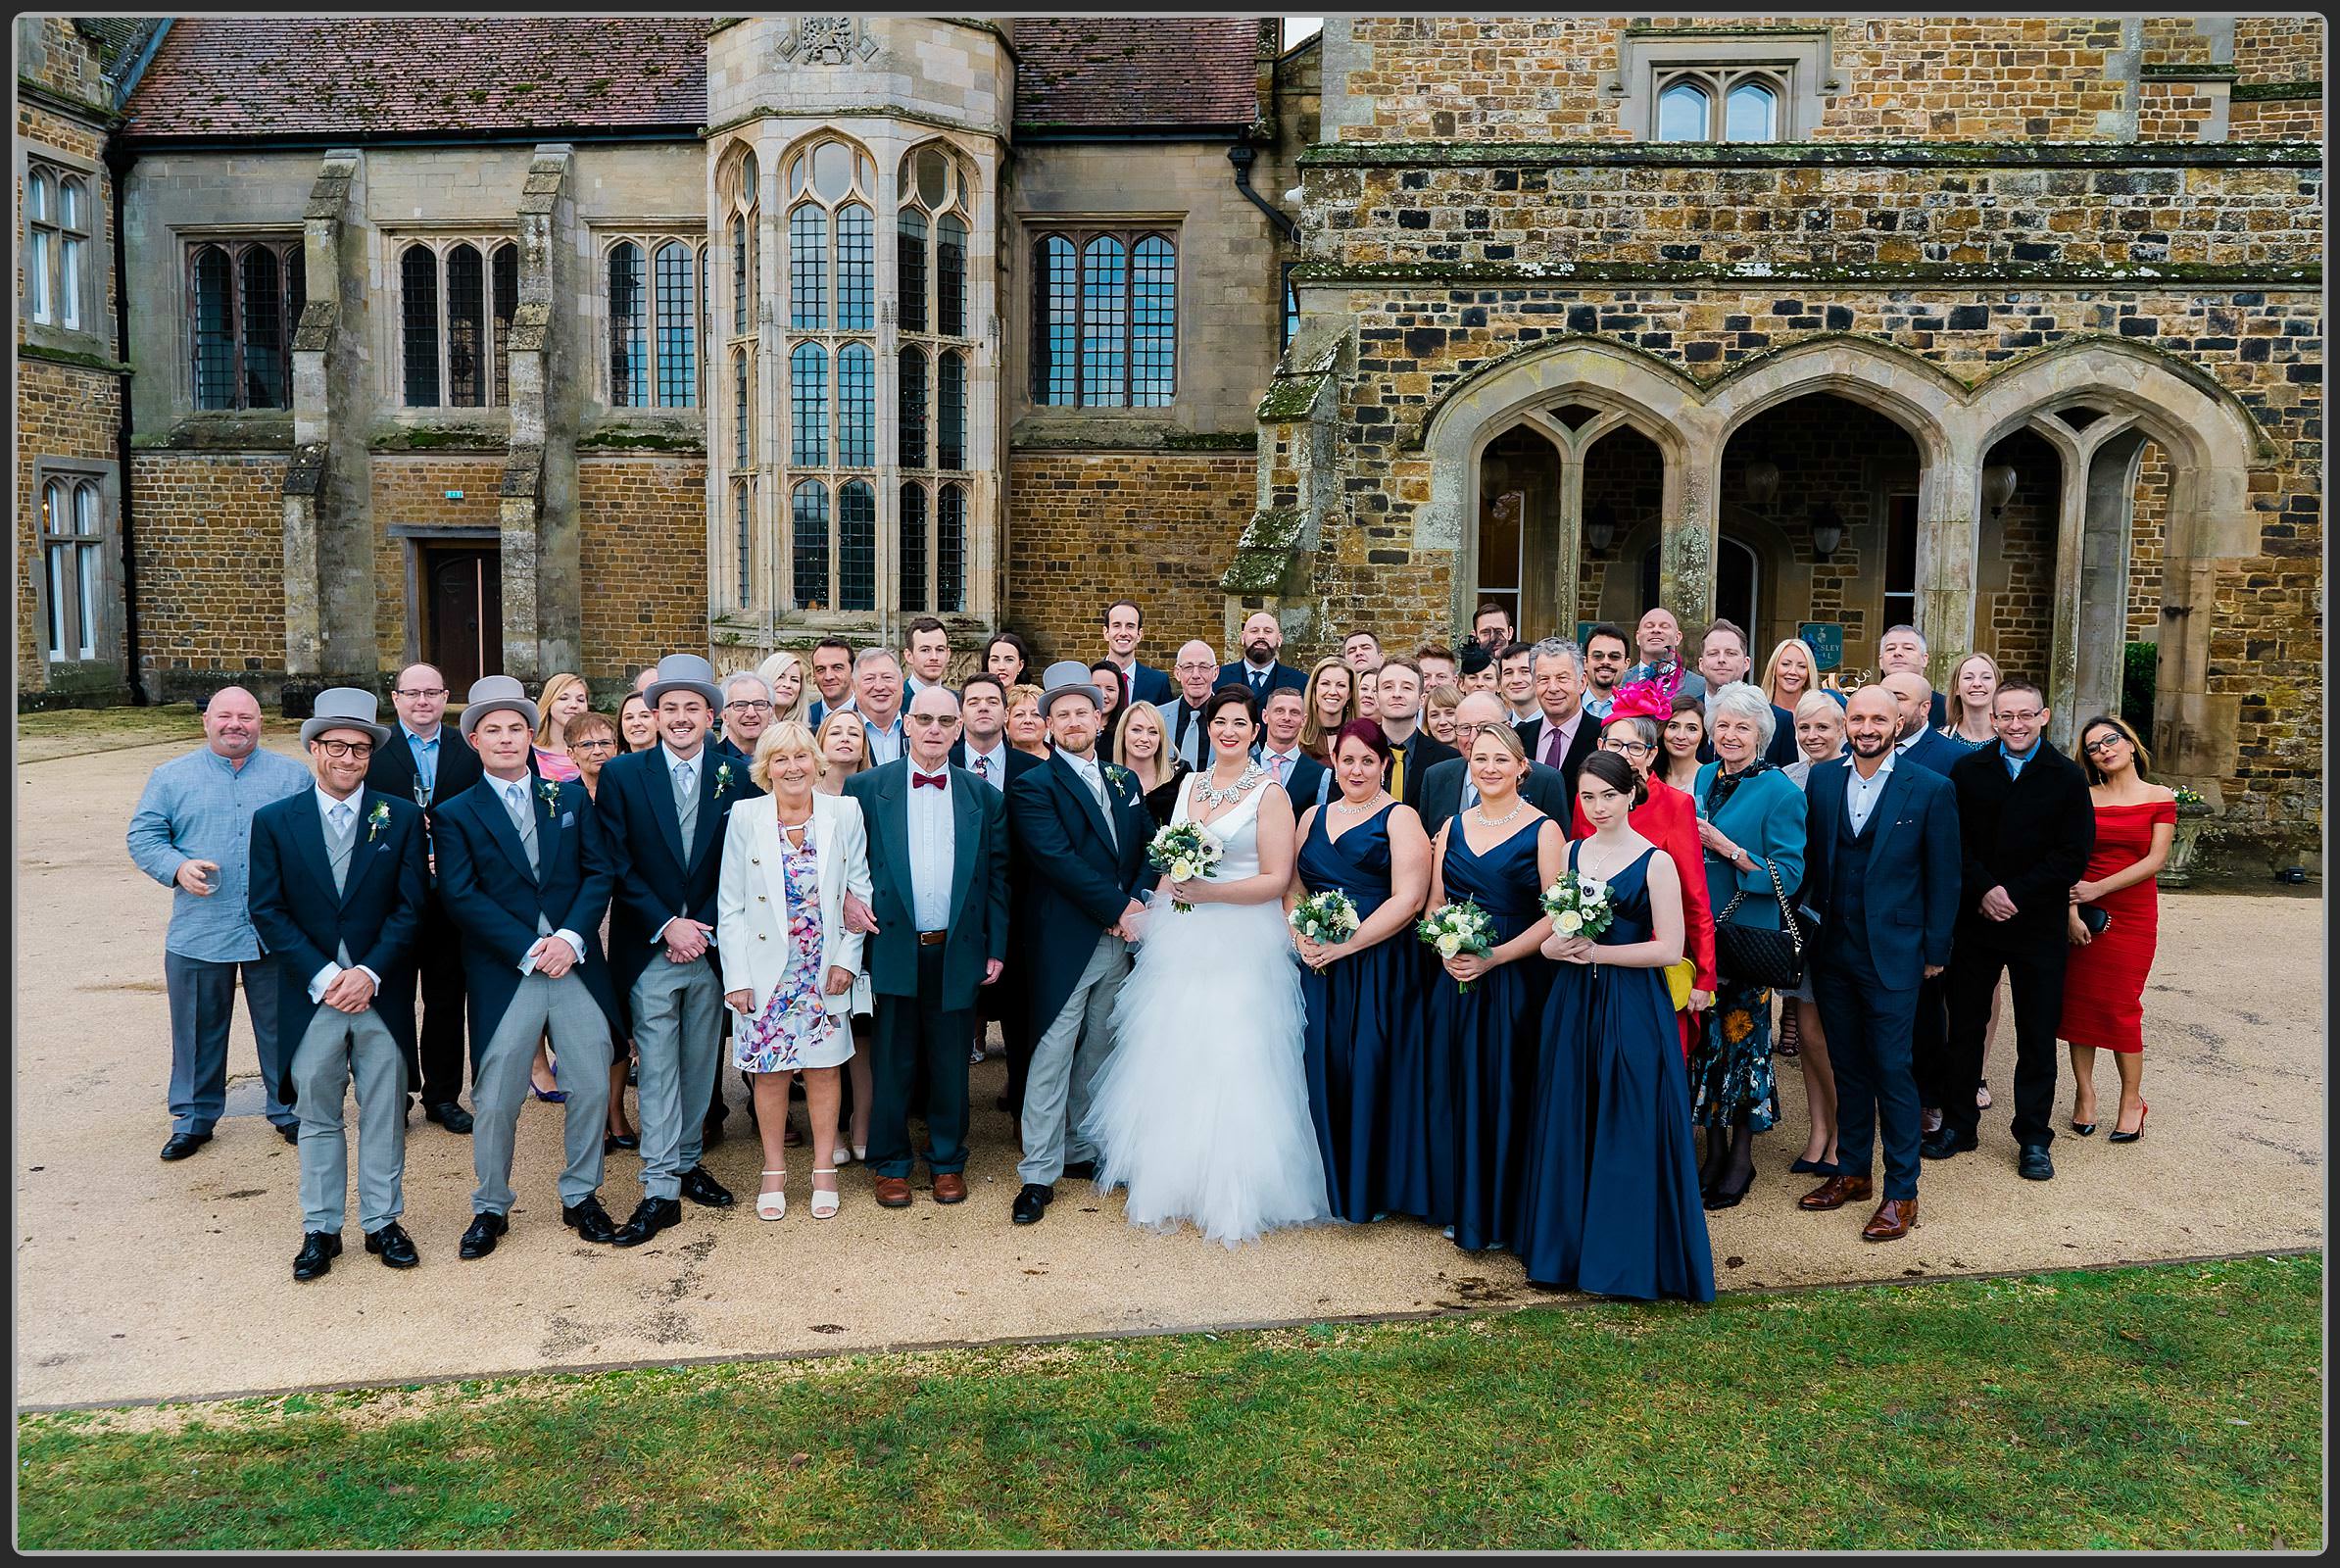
[1201, 1112]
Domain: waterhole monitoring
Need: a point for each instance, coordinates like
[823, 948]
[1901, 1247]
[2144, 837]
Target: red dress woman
[2104, 975]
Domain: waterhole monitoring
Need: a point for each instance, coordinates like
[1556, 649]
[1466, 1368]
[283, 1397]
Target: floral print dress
[795, 1028]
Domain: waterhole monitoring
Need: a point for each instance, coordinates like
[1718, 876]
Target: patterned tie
[1259, 689]
[1277, 762]
[983, 768]
[686, 804]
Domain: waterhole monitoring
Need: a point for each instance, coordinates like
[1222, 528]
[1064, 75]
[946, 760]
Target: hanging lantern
[1763, 481]
[1600, 527]
[1828, 530]
[1998, 486]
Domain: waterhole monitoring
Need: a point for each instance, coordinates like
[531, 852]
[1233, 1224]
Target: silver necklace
[1486, 820]
[1210, 795]
[1346, 809]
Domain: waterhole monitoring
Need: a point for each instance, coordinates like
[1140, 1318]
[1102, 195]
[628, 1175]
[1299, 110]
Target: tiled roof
[111, 35]
[418, 76]
[1136, 71]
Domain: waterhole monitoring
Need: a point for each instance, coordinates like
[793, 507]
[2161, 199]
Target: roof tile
[1099, 72]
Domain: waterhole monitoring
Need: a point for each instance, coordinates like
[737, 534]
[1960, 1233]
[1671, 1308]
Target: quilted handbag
[1758, 956]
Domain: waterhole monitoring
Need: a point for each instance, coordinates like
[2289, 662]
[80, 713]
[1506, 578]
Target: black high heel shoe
[2129, 1138]
[1813, 1167]
[1721, 1197]
[2086, 1129]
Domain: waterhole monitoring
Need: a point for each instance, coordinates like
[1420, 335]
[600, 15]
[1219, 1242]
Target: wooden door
[464, 613]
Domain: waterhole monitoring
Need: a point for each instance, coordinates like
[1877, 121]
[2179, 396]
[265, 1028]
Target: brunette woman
[2104, 977]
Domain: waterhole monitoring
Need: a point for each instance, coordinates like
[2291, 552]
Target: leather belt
[932, 939]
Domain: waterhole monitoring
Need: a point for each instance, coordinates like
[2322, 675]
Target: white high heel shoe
[824, 1205]
[844, 1156]
[773, 1205]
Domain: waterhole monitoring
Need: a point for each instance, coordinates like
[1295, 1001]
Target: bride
[1201, 1112]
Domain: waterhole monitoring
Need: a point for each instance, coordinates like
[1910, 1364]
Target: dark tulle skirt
[1610, 1200]
[1479, 1046]
[1364, 1058]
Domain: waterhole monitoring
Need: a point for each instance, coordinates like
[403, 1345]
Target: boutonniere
[549, 792]
[376, 820]
[722, 778]
[1121, 776]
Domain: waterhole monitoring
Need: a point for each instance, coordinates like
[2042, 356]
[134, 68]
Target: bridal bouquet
[1326, 918]
[1458, 929]
[1184, 850]
[1579, 904]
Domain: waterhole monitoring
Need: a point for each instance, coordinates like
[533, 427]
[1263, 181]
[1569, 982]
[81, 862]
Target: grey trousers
[338, 1049]
[1065, 1062]
[678, 1032]
[202, 1004]
[500, 1084]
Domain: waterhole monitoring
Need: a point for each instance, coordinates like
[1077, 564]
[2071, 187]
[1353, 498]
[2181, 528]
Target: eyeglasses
[945, 720]
[2105, 744]
[418, 691]
[1464, 729]
[361, 749]
[593, 746]
[747, 706]
[2028, 717]
[1191, 668]
[1625, 748]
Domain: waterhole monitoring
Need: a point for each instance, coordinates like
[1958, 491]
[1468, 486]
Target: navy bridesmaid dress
[1362, 1050]
[1611, 1203]
[1480, 1043]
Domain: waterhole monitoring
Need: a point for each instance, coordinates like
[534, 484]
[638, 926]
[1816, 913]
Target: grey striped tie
[686, 806]
[523, 823]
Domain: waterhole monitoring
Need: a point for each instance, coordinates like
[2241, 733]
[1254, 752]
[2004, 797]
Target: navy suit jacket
[1914, 868]
[494, 898]
[1937, 752]
[392, 770]
[303, 922]
[1147, 684]
[1073, 881]
[656, 875]
[1279, 676]
[978, 921]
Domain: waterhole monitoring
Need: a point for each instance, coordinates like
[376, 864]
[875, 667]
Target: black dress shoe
[710, 1134]
[1948, 1141]
[318, 1249]
[449, 1116]
[1032, 1202]
[704, 1190]
[649, 1216]
[480, 1238]
[589, 1219]
[626, 1139]
[289, 1131]
[1081, 1169]
[2032, 1164]
[395, 1246]
[182, 1145]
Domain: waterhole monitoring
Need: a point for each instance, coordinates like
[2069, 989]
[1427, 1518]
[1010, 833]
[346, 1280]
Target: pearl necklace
[1486, 820]
[1210, 795]
[1346, 809]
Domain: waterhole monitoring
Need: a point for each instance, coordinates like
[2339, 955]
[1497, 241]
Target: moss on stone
[85, 362]
[1264, 554]
[1896, 274]
[1290, 397]
[1213, 441]
[2246, 92]
[437, 438]
[2293, 154]
[642, 441]
[2185, 71]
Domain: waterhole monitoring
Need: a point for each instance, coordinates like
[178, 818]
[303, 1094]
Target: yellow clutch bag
[1678, 975]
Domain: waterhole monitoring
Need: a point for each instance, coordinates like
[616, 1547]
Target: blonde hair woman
[1792, 673]
[1974, 681]
[1027, 729]
[1332, 702]
[780, 915]
[563, 698]
[844, 749]
[1148, 755]
[792, 693]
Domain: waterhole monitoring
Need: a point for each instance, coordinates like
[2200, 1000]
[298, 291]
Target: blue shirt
[2014, 761]
[427, 756]
[199, 808]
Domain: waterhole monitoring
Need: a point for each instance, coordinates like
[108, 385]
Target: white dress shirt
[1861, 795]
[325, 809]
[931, 834]
[993, 770]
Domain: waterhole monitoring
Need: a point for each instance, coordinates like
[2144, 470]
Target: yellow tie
[1398, 773]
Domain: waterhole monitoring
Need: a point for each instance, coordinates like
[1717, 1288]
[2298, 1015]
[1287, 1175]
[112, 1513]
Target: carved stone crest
[827, 41]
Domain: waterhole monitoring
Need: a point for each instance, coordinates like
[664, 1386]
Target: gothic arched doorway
[1738, 588]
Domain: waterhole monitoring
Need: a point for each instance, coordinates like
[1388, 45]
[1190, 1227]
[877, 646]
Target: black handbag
[1758, 956]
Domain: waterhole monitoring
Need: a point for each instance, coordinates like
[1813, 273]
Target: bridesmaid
[2103, 978]
[1362, 1050]
[1480, 1068]
[1611, 1201]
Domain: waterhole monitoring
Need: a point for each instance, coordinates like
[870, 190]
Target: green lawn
[2144, 1407]
[79, 731]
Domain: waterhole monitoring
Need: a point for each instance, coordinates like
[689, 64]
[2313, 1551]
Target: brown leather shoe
[951, 1188]
[1834, 1193]
[894, 1191]
[1891, 1221]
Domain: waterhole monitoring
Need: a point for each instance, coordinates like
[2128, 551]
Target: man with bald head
[1446, 786]
[1259, 668]
[1197, 673]
[1882, 870]
[1916, 740]
[1657, 640]
[425, 762]
[192, 832]
[1903, 648]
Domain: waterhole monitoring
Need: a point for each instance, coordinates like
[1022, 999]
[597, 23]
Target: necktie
[1259, 687]
[983, 768]
[925, 781]
[523, 822]
[1096, 780]
[1398, 771]
[1552, 748]
[1277, 763]
[339, 849]
[686, 806]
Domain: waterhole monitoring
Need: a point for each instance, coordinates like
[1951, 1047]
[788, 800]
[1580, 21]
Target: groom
[1081, 831]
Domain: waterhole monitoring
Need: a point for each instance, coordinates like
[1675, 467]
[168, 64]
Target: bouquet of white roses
[1579, 904]
[1456, 930]
[1324, 918]
[1184, 850]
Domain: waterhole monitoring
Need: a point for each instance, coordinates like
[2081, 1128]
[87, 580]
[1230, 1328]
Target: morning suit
[2030, 835]
[1445, 786]
[1422, 751]
[1274, 678]
[1082, 859]
[435, 1058]
[664, 863]
[326, 898]
[928, 956]
[505, 889]
[1886, 894]
[1582, 745]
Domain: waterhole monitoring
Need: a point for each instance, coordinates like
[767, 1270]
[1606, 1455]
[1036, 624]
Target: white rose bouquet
[1579, 904]
[1184, 850]
[1324, 918]
[1456, 930]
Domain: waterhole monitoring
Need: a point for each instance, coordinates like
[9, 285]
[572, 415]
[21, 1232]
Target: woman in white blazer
[789, 859]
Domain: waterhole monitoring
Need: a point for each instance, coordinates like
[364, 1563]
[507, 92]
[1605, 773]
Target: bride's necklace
[1486, 820]
[1210, 794]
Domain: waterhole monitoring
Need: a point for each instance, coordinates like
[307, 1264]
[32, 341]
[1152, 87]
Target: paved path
[138, 1280]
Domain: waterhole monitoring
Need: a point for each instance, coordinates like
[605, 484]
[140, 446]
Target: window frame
[93, 574]
[495, 345]
[1129, 237]
[650, 242]
[69, 254]
[1718, 83]
[287, 247]
[1795, 64]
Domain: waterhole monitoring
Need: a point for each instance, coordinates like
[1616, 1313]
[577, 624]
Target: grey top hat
[1068, 677]
[685, 673]
[345, 708]
[495, 694]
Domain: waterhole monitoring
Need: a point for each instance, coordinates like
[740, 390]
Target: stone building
[550, 344]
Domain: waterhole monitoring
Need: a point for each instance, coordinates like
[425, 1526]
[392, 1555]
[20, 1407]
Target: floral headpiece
[1647, 699]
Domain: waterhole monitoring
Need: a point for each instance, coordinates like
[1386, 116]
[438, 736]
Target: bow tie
[921, 781]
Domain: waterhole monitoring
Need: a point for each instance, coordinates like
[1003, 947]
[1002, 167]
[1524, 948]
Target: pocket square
[568, 818]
